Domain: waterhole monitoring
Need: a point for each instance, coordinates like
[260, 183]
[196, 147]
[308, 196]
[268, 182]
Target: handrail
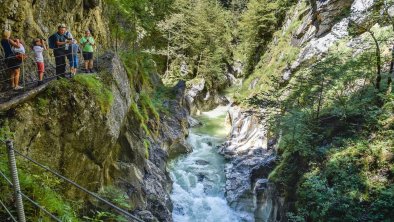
[116, 208]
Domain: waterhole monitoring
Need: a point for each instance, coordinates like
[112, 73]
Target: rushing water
[199, 180]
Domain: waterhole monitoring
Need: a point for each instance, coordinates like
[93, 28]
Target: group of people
[63, 45]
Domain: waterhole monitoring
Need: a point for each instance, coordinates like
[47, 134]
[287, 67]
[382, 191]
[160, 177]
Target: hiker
[69, 36]
[12, 62]
[72, 55]
[38, 47]
[58, 42]
[87, 43]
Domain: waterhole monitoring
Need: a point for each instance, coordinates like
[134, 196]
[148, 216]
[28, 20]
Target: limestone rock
[250, 157]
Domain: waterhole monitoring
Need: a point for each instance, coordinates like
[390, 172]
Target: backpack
[52, 41]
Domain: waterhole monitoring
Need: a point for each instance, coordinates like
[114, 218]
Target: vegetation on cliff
[334, 125]
[335, 128]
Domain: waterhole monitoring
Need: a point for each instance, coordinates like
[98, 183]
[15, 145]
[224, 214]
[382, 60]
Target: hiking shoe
[18, 88]
[91, 71]
[86, 70]
[40, 82]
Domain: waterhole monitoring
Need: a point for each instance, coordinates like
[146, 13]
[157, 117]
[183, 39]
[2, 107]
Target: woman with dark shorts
[88, 43]
[13, 64]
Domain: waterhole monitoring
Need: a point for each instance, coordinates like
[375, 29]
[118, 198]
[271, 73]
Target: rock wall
[200, 99]
[65, 128]
[251, 156]
[324, 24]
[39, 18]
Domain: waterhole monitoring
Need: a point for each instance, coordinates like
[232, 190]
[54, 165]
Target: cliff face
[100, 143]
[40, 18]
[313, 32]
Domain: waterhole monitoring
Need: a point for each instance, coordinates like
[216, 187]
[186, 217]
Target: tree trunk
[168, 54]
[378, 61]
[391, 74]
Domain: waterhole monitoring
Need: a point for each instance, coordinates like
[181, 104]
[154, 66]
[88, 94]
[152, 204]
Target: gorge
[208, 110]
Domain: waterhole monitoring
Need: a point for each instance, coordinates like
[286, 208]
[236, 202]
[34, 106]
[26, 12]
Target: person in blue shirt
[13, 64]
[59, 50]
[72, 55]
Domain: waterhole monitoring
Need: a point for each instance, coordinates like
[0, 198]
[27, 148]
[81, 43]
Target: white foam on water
[199, 180]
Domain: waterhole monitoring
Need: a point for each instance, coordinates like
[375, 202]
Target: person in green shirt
[88, 43]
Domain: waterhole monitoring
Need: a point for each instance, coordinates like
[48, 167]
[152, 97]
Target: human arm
[91, 41]
[13, 43]
[44, 45]
[61, 41]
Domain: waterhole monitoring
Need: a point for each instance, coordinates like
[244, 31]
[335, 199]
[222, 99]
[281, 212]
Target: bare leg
[13, 78]
[91, 64]
[41, 75]
[17, 74]
[86, 64]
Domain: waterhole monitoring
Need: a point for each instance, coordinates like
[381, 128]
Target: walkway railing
[29, 70]
[19, 195]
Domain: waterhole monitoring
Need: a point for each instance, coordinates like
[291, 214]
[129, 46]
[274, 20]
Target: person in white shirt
[38, 48]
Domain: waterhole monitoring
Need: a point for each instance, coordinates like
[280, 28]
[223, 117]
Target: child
[72, 56]
[38, 49]
[21, 49]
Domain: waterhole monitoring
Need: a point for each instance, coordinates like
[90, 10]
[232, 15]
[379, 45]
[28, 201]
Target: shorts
[13, 63]
[40, 67]
[73, 61]
[87, 55]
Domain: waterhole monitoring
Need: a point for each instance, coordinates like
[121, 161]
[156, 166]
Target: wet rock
[146, 216]
[199, 98]
[200, 177]
[193, 122]
[270, 207]
[251, 158]
[202, 162]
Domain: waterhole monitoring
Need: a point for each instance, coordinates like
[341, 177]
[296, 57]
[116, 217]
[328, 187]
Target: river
[198, 177]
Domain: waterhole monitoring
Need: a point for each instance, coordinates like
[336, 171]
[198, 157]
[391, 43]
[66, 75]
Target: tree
[199, 41]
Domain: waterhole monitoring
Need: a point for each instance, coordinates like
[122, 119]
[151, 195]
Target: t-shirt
[88, 46]
[38, 53]
[60, 38]
[5, 43]
[20, 50]
[73, 49]
[68, 35]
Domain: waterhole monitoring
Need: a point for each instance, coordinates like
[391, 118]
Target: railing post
[15, 181]
[97, 58]
[23, 74]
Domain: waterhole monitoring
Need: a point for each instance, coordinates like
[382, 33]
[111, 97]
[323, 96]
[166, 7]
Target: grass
[102, 95]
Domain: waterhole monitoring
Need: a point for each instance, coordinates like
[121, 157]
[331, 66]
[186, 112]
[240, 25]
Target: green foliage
[199, 42]
[276, 57]
[256, 28]
[336, 143]
[147, 147]
[43, 188]
[116, 196]
[140, 117]
[5, 132]
[134, 23]
[97, 89]
[42, 105]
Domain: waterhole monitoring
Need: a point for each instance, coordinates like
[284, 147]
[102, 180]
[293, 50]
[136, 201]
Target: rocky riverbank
[251, 156]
